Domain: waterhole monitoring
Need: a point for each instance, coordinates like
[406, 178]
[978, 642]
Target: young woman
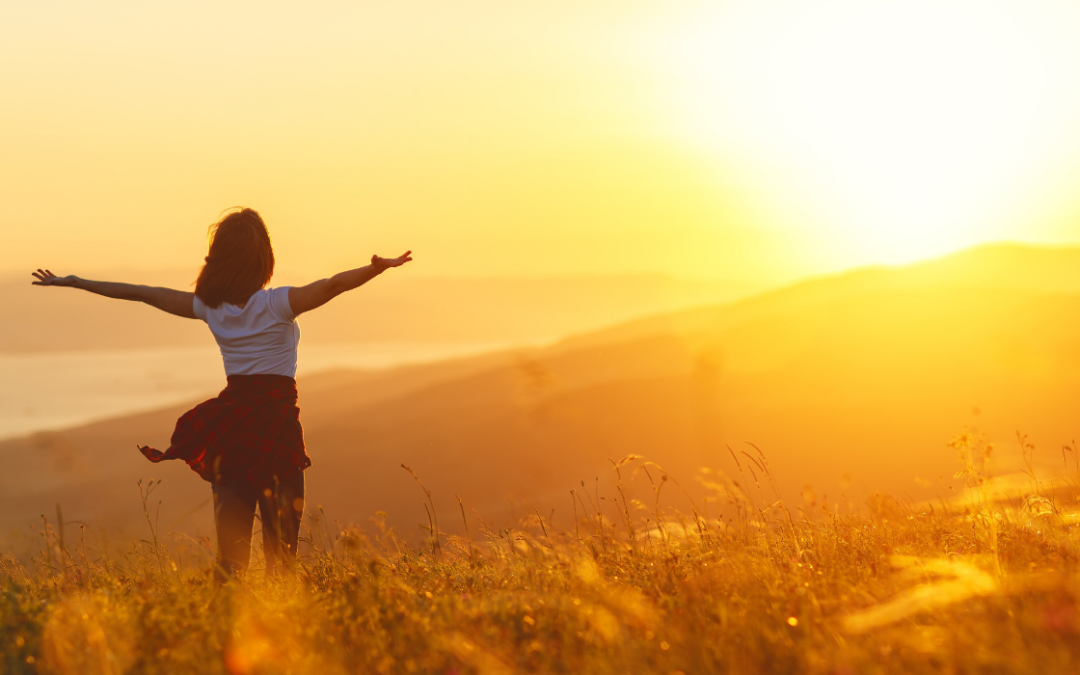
[247, 442]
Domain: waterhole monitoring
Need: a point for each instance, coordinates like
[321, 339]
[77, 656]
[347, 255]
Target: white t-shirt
[259, 339]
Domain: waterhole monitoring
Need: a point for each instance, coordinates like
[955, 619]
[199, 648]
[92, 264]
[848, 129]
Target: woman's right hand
[380, 264]
[47, 278]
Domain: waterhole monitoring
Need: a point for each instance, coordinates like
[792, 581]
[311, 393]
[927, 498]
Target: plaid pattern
[250, 433]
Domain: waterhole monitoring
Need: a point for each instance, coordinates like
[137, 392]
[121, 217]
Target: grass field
[988, 583]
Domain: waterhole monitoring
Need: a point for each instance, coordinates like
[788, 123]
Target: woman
[247, 442]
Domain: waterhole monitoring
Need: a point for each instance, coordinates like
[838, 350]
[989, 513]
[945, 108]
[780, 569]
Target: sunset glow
[522, 336]
[741, 140]
[901, 129]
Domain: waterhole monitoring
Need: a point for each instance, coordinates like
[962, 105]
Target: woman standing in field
[247, 442]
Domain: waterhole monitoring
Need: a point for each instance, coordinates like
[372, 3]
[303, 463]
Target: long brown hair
[240, 261]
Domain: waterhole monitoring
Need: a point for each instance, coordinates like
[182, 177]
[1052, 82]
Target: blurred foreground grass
[989, 584]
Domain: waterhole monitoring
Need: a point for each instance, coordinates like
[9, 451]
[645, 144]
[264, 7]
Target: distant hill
[1015, 267]
[849, 384]
[404, 307]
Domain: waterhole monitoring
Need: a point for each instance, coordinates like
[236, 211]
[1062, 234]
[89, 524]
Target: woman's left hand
[47, 278]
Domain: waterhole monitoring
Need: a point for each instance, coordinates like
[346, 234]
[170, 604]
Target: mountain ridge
[865, 376]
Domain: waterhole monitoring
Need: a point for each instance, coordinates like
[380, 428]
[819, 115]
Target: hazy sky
[760, 140]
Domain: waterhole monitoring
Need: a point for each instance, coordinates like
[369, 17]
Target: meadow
[986, 582]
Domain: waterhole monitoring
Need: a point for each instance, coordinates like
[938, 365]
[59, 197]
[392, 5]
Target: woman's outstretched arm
[165, 299]
[318, 293]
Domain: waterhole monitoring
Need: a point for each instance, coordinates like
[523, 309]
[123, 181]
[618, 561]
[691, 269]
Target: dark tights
[281, 506]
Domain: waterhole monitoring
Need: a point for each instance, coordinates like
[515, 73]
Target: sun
[896, 130]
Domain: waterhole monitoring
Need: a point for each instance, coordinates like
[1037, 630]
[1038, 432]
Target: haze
[850, 385]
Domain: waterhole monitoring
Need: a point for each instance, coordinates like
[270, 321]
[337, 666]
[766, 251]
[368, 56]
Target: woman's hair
[240, 262]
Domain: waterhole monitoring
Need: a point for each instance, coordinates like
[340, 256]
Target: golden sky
[756, 140]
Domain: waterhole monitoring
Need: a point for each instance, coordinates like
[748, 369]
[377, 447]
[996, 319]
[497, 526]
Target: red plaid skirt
[250, 433]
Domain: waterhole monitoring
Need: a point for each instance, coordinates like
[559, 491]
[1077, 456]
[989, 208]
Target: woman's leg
[281, 508]
[234, 514]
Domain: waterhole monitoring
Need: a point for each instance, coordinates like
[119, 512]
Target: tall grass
[983, 585]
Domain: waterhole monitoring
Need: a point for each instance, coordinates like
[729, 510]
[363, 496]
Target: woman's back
[260, 338]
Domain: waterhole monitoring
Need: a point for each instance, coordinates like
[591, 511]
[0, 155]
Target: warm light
[900, 129]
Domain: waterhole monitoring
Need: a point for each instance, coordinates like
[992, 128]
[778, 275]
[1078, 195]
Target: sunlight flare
[898, 130]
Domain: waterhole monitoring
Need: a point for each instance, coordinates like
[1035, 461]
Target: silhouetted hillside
[849, 384]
